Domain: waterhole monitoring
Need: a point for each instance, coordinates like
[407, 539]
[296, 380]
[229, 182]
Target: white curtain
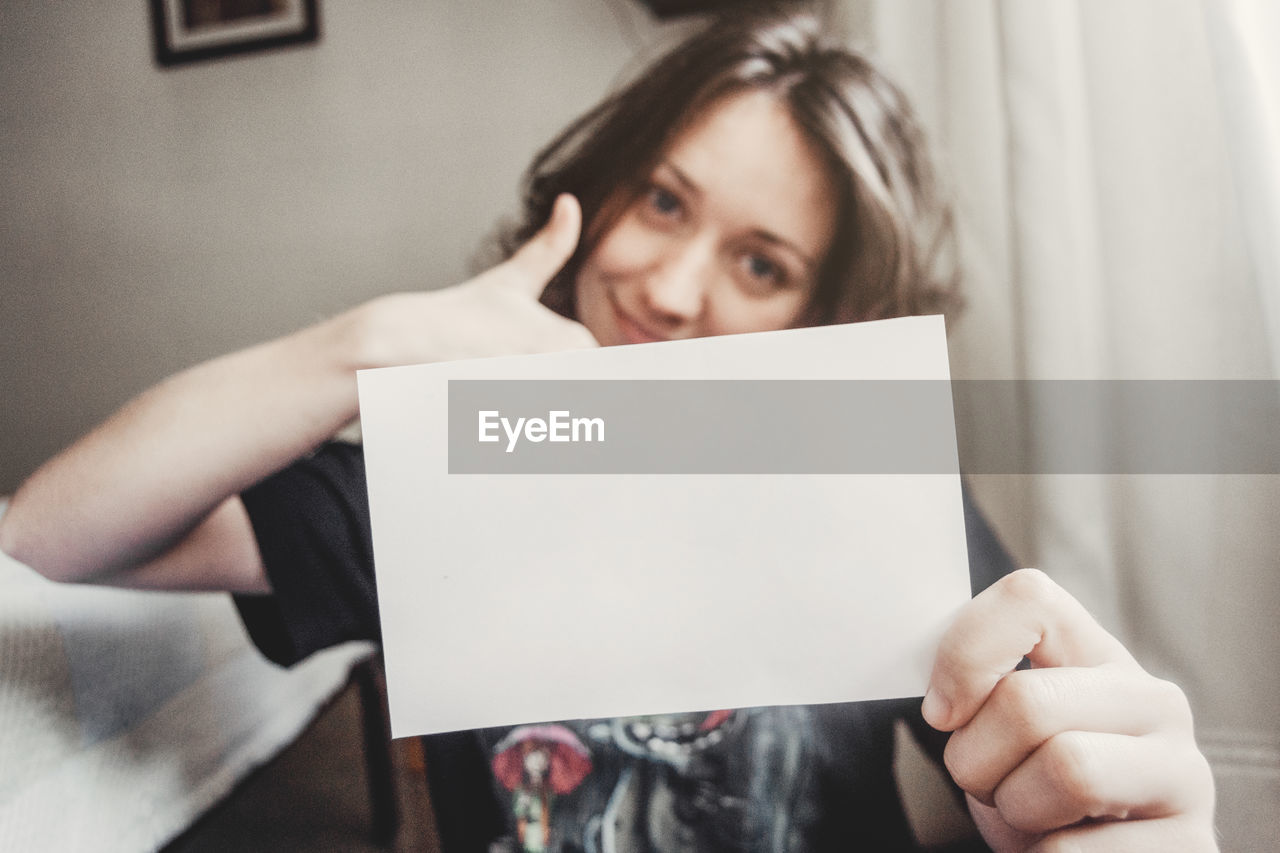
[1116, 167]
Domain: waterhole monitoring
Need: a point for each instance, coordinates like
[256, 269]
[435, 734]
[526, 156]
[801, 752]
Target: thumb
[534, 263]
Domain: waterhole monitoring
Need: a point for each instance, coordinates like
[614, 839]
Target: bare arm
[149, 497]
[131, 489]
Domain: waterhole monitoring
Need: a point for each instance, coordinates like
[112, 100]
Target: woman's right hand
[151, 496]
[495, 313]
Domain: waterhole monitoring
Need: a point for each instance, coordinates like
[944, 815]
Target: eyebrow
[768, 236]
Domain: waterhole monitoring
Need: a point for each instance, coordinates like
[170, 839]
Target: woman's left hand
[1083, 751]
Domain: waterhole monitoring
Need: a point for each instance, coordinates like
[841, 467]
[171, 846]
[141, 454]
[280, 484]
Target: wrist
[354, 340]
[377, 333]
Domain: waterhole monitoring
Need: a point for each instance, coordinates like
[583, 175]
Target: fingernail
[935, 709]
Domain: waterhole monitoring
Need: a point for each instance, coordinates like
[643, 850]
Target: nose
[677, 283]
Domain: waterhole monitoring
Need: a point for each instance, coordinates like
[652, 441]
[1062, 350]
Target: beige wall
[154, 218]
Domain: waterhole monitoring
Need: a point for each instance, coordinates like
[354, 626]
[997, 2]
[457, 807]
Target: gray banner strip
[865, 427]
[1118, 426]
[699, 427]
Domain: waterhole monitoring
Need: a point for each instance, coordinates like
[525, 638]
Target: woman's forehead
[748, 160]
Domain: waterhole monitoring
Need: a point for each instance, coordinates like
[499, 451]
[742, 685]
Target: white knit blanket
[125, 715]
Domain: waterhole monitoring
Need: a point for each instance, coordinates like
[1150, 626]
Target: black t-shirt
[758, 779]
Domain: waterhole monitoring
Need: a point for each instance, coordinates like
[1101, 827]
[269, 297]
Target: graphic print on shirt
[717, 782]
[537, 763]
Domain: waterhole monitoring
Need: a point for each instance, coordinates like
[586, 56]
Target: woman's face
[727, 235]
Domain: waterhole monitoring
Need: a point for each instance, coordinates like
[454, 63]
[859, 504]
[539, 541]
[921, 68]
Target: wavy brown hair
[893, 253]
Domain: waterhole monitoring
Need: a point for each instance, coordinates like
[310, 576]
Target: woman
[752, 179]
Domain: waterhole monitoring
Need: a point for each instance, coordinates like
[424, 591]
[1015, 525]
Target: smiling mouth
[632, 331]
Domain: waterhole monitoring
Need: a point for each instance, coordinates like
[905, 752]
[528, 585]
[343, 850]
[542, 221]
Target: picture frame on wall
[194, 30]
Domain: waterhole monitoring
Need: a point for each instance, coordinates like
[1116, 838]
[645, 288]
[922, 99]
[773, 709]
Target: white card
[695, 559]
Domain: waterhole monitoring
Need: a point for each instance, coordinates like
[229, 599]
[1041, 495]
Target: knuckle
[1201, 791]
[1171, 696]
[959, 761]
[1072, 766]
[1022, 697]
[1030, 585]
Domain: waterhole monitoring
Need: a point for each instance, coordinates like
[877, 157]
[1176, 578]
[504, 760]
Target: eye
[763, 272]
[662, 203]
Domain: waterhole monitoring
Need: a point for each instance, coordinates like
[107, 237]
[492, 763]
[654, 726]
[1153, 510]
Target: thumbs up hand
[495, 313]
